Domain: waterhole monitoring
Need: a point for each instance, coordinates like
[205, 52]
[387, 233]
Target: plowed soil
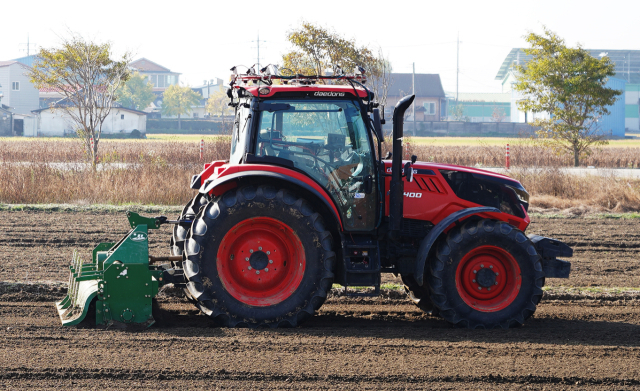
[585, 334]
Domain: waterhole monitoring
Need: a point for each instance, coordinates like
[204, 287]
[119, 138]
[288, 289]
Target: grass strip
[92, 208]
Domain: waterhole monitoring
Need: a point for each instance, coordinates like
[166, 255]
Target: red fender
[217, 178]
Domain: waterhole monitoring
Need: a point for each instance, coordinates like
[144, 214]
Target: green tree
[217, 105]
[88, 76]
[179, 100]
[498, 114]
[457, 112]
[316, 49]
[136, 93]
[569, 85]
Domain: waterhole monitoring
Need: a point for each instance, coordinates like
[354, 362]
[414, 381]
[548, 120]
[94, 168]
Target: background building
[159, 76]
[56, 122]
[430, 102]
[481, 107]
[18, 93]
[627, 78]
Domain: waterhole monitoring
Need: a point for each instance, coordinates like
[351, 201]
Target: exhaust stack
[396, 190]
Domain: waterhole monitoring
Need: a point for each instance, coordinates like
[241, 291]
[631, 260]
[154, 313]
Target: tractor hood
[418, 166]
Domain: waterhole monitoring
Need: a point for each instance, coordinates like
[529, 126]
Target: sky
[203, 39]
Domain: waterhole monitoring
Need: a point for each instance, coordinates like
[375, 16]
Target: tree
[217, 105]
[381, 80]
[179, 100]
[569, 85]
[457, 112]
[88, 76]
[498, 114]
[317, 49]
[136, 93]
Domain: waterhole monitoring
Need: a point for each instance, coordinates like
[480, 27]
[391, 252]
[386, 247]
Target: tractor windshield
[327, 140]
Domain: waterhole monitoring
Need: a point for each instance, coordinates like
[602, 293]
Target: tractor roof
[268, 82]
[313, 90]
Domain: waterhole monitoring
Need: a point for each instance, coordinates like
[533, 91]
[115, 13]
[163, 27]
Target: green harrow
[120, 280]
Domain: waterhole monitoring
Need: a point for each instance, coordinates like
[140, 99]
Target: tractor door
[328, 140]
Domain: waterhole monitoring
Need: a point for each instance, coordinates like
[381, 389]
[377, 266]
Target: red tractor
[306, 201]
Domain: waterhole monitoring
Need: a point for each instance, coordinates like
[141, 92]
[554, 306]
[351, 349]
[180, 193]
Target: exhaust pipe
[396, 188]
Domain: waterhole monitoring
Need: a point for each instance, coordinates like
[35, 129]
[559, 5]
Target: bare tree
[86, 75]
[498, 114]
[381, 80]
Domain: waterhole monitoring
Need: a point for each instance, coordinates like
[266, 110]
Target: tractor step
[361, 267]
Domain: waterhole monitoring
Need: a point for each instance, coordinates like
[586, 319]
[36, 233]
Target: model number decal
[412, 195]
[415, 171]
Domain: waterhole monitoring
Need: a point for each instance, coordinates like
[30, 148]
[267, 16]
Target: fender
[285, 175]
[429, 240]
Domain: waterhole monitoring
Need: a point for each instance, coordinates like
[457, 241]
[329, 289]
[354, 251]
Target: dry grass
[154, 172]
[553, 188]
[523, 154]
[158, 172]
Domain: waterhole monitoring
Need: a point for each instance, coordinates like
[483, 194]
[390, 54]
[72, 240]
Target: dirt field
[578, 338]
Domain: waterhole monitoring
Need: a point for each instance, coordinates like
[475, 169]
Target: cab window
[328, 141]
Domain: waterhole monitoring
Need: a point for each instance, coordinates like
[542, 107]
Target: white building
[56, 122]
[17, 91]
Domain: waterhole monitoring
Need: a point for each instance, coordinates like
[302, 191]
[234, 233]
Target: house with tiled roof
[159, 76]
[430, 100]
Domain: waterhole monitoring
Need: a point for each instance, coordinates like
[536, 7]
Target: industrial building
[625, 113]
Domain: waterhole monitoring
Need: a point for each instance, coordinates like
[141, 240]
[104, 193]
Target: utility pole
[413, 88]
[258, 47]
[457, 65]
[28, 45]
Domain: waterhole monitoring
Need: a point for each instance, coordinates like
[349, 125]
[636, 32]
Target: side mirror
[377, 124]
[408, 172]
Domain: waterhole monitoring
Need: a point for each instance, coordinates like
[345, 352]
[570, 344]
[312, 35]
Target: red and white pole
[201, 149]
[93, 156]
[507, 161]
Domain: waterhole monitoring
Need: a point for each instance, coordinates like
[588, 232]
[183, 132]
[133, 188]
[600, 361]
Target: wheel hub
[486, 278]
[259, 260]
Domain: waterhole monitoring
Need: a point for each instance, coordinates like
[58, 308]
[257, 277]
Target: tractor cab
[320, 130]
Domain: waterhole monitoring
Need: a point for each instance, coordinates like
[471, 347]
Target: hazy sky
[203, 39]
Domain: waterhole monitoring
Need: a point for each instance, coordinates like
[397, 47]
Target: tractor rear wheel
[259, 256]
[486, 274]
[181, 231]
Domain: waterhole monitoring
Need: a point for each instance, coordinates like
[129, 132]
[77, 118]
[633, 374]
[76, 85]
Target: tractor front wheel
[259, 256]
[486, 274]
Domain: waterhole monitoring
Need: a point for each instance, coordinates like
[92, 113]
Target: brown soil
[574, 341]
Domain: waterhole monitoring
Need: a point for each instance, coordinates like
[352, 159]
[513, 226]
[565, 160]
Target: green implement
[119, 280]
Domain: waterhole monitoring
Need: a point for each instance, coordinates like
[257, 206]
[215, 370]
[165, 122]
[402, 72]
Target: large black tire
[419, 295]
[225, 258]
[181, 231]
[476, 258]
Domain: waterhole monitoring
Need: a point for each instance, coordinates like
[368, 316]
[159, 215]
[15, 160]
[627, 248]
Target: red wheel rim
[488, 278]
[261, 261]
